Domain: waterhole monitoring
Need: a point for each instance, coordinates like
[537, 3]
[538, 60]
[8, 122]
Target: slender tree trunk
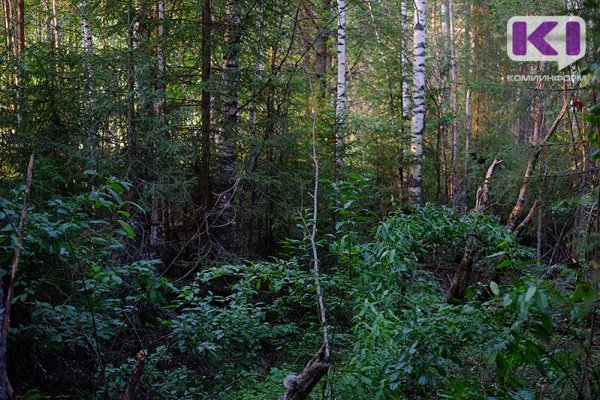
[8, 12]
[415, 181]
[133, 42]
[19, 57]
[404, 61]
[260, 69]
[445, 69]
[455, 111]
[55, 26]
[226, 136]
[88, 102]
[47, 32]
[156, 217]
[323, 56]
[86, 32]
[205, 104]
[340, 105]
[467, 158]
[468, 116]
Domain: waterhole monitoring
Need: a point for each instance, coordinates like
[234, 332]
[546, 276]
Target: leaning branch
[527, 220]
[523, 191]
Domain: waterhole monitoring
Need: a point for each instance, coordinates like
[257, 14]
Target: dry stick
[13, 276]
[135, 377]
[299, 387]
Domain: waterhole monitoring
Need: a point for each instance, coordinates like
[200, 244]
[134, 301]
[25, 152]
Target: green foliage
[408, 343]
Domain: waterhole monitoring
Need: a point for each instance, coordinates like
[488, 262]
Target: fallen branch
[135, 377]
[5, 388]
[298, 387]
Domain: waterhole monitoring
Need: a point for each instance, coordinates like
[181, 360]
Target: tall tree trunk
[340, 105]
[323, 56]
[86, 32]
[131, 140]
[8, 12]
[455, 111]
[415, 181]
[260, 69]
[56, 28]
[156, 217]
[88, 101]
[205, 104]
[404, 61]
[19, 57]
[468, 116]
[445, 69]
[226, 136]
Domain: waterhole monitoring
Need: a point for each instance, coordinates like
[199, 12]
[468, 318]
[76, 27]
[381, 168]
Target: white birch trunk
[86, 32]
[340, 105]
[55, 23]
[415, 181]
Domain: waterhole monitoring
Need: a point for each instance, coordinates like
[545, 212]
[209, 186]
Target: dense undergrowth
[235, 330]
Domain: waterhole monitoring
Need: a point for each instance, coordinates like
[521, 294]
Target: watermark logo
[560, 39]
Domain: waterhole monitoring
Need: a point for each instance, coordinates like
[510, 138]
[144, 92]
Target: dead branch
[299, 387]
[523, 191]
[461, 279]
[483, 193]
[528, 218]
[5, 388]
[135, 377]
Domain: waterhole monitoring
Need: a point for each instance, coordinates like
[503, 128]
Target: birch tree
[415, 179]
[340, 108]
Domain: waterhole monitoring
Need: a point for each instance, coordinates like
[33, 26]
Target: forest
[300, 199]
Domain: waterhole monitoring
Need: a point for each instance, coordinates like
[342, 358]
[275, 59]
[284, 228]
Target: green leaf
[127, 228]
[530, 293]
[495, 288]
[116, 187]
[504, 264]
